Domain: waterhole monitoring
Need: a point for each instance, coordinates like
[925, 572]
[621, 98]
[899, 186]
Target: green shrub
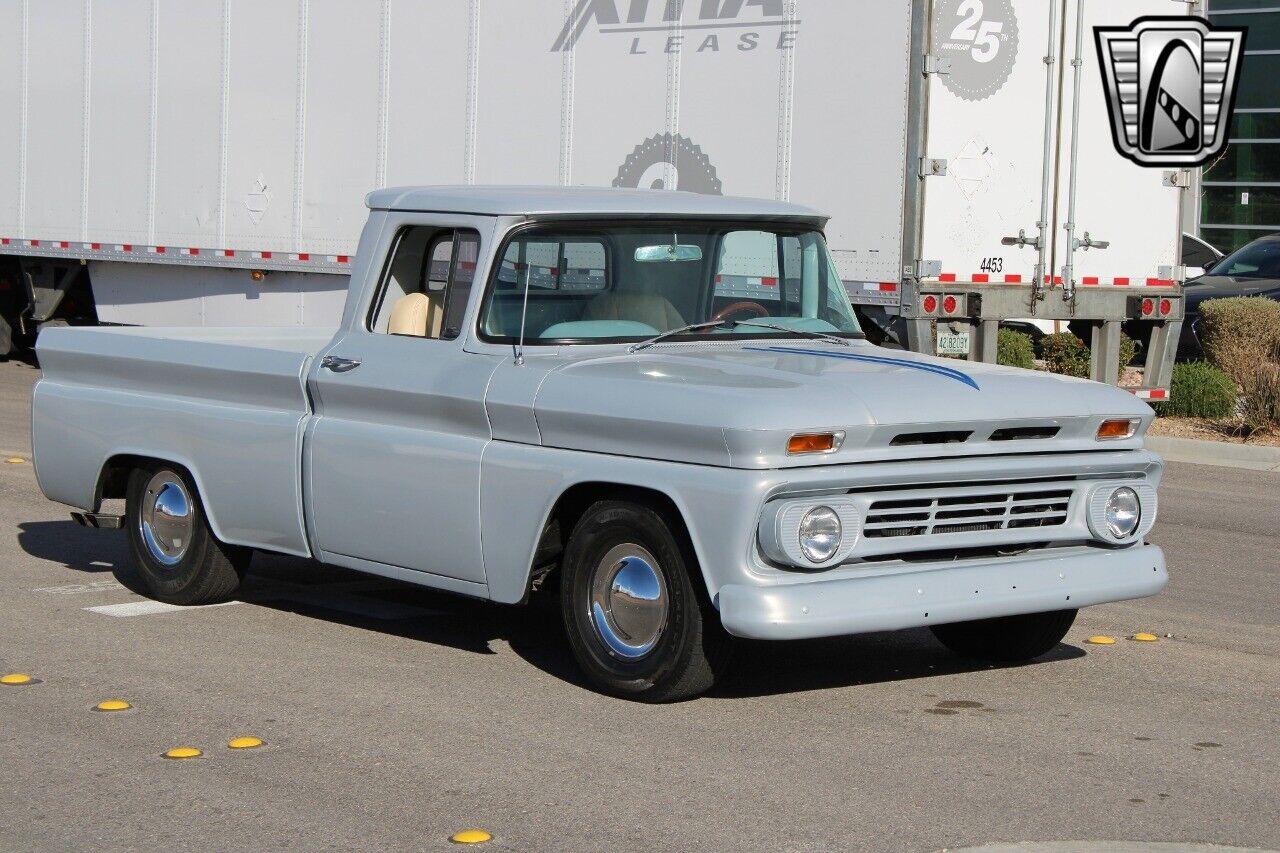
[1015, 349]
[1239, 333]
[1128, 349]
[1199, 390]
[1066, 354]
[1261, 407]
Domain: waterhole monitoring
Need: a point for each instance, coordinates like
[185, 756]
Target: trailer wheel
[636, 623]
[178, 558]
[1007, 639]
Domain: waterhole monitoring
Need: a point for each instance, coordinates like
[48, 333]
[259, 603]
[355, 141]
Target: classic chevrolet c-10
[659, 403]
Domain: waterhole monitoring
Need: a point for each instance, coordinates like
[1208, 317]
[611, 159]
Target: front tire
[637, 624]
[1007, 639]
[178, 558]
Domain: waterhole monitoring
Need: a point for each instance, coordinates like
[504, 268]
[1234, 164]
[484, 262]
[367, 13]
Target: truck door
[393, 455]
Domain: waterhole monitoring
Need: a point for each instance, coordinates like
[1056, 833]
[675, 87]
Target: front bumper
[936, 595]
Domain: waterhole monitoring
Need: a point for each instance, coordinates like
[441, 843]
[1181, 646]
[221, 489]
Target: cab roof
[584, 201]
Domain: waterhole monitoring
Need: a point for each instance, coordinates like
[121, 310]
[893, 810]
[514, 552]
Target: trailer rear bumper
[937, 595]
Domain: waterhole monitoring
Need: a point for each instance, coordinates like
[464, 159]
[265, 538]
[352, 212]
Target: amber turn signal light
[814, 442]
[1117, 428]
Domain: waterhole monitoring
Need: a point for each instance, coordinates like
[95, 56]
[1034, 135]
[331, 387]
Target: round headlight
[1123, 512]
[820, 534]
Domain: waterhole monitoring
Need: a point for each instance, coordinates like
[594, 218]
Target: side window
[425, 290]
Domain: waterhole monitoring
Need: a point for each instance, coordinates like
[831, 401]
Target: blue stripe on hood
[938, 369]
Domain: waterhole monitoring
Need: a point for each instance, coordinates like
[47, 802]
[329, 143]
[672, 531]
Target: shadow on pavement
[766, 669]
[75, 547]
[534, 632]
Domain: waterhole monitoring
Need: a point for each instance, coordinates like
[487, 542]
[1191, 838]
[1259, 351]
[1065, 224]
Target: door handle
[338, 364]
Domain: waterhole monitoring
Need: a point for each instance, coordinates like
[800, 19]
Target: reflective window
[628, 282]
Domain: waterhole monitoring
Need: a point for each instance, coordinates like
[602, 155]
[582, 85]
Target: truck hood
[737, 404]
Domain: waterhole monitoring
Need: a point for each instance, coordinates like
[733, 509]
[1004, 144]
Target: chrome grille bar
[1003, 509]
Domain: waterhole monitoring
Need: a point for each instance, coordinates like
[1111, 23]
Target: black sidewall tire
[671, 670]
[207, 573]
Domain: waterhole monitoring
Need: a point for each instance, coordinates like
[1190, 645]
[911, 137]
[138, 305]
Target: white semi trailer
[199, 162]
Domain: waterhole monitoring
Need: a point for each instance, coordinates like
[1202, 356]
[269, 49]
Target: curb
[1220, 453]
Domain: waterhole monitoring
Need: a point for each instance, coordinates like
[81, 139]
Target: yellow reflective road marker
[183, 752]
[16, 678]
[15, 460]
[1101, 640]
[247, 742]
[470, 836]
[112, 705]
[1144, 637]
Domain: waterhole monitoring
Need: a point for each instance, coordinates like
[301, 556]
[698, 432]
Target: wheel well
[113, 482]
[577, 499]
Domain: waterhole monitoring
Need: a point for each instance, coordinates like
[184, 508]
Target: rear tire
[178, 558]
[1007, 639]
[639, 624]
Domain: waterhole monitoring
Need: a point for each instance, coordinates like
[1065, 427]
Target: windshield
[628, 282]
[1259, 259]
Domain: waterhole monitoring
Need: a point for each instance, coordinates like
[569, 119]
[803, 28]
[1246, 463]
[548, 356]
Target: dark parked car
[1252, 270]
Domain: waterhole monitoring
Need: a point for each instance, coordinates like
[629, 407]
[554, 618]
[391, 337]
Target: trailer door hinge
[1172, 273]
[1179, 179]
[934, 64]
[932, 168]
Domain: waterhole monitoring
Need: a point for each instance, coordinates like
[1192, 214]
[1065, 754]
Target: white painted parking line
[148, 608]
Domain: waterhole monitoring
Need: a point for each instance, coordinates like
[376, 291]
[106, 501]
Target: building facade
[1240, 190]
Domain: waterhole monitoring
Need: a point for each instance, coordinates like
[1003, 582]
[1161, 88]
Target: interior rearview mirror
[672, 252]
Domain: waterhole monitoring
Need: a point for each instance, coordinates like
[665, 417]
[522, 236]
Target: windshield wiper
[733, 324]
[821, 336]
[692, 327]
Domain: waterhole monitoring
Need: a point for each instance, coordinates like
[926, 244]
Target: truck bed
[235, 399]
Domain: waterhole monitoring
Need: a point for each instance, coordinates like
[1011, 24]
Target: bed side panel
[232, 415]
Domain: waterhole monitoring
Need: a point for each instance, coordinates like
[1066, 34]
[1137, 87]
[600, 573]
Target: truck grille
[1000, 509]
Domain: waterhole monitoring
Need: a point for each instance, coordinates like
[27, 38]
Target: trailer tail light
[929, 304]
[950, 304]
[1148, 307]
[1166, 307]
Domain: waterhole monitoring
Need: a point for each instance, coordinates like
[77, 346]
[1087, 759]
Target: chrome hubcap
[166, 518]
[628, 601]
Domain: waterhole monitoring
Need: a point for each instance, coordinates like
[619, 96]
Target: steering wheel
[754, 307]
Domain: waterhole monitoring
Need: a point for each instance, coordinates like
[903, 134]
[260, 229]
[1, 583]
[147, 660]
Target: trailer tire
[636, 623]
[179, 560]
[1007, 639]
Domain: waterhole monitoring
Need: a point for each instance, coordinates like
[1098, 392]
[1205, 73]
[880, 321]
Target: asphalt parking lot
[393, 717]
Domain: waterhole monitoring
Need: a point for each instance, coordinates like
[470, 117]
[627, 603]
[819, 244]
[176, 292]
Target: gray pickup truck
[660, 401]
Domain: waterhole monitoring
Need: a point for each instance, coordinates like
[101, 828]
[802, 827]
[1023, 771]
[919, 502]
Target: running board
[98, 519]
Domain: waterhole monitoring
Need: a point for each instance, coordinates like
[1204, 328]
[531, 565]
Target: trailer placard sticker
[980, 38]
[1170, 84]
